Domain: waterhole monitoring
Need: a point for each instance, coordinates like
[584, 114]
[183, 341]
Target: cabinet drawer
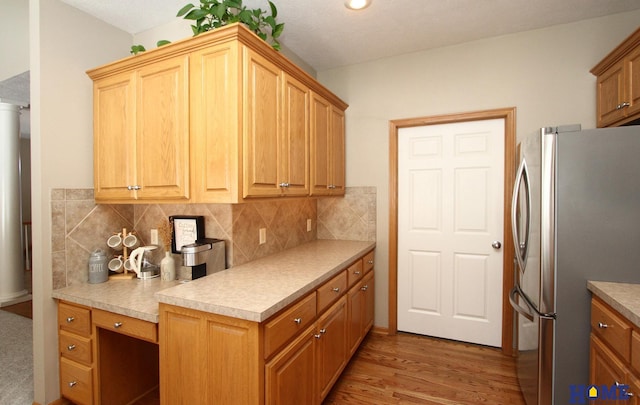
[635, 351]
[74, 319]
[355, 273]
[332, 290]
[367, 261]
[611, 328]
[126, 325]
[75, 347]
[286, 325]
[76, 382]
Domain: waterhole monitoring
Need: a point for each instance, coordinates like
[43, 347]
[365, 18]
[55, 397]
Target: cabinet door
[320, 145]
[262, 126]
[355, 309]
[215, 114]
[610, 94]
[295, 142]
[331, 348]
[605, 368]
[289, 377]
[336, 156]
[633, 79]
[162, 132]
[113, 137]
[368, 289]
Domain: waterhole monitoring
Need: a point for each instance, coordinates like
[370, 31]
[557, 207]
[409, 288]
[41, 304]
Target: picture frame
[186, 230]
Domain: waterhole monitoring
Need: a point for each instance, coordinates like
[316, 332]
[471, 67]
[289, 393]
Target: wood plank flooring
[411, 369]
[22, 309]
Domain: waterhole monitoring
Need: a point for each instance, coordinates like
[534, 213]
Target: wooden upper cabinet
[618, 84]
[141, 133]
[162, 132]
[217, 118]
[327, 148]
[295, 141]
[262, 126]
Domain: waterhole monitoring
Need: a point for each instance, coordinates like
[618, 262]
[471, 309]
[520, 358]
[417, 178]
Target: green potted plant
[214, 14]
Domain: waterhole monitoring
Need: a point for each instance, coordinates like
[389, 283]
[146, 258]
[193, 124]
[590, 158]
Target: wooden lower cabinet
[214, 359]
[288, 376]
[102, 353]
[611, 354]
[331, 347]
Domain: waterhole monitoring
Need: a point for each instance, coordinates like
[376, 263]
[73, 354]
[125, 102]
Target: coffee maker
[204, 256]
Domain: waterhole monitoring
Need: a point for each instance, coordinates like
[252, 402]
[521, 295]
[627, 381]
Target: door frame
[509, 116]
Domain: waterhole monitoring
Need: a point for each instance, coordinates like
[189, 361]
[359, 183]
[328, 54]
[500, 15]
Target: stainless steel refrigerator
[576, 217]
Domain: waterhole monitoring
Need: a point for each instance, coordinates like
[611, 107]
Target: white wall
[14, 37]
[543, 73]
[64, 43]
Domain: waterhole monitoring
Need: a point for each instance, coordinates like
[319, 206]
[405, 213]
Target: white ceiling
[326, 35]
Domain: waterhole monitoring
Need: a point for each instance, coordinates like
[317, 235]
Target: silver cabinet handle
[323, 331]
[318, 336]
[331, 186]
[70, 319]
[133, 188]
[73, 384]
[336, 289]
[602, 325]
[365, 287]
[370, 261]
[622, 105]
[357, 273]
[298, 320]
[117, 325]
[284, 184]
[71, 347]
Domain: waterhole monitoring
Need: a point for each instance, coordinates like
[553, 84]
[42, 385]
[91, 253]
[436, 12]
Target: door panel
[450, 212]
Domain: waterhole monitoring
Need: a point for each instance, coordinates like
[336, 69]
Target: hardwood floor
[22, 309]
[411, 369]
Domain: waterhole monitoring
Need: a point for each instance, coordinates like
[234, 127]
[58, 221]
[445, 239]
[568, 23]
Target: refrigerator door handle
[526, 312]
[521, 247]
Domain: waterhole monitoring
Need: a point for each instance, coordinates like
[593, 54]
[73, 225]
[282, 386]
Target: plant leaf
[233, 3]
[277, 31]
[274, 10]
[219, 10]
[246, 17]
[184, 10]
[271, 21]
[135, 49]
[162, 42]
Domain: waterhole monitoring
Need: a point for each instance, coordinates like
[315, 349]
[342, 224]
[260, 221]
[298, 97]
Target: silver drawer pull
[70, 319]
[71, 347]
[318, 336]
[602, 325]
[117, 325]
[357, 273]
[336, 289]
[323, 331]
[365, 287]
[370, 262]
[73, 384]
[298, 321]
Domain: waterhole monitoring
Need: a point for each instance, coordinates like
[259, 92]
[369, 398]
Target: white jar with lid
[98, 271]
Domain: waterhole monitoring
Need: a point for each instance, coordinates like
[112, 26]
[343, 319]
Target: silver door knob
[496, 244]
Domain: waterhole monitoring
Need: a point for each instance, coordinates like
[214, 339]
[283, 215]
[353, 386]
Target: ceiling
[326, 35]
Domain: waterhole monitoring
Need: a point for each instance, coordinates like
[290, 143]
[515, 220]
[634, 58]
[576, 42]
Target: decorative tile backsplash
[79, 225]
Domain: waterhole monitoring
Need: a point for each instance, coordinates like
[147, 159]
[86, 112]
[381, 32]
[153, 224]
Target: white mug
[129, 265]
[131, 241]
[115, 264]
[115, 241]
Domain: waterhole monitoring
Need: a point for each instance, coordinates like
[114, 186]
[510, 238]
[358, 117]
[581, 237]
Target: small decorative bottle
[168, 267]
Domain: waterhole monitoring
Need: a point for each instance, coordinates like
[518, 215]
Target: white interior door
[450, 222]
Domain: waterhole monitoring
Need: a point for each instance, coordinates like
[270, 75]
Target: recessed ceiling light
[357, 4]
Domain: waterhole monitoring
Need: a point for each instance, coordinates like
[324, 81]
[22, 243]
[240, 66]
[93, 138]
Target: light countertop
[253, 291]
[256, 290]
[623, 297]
[134, 298]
